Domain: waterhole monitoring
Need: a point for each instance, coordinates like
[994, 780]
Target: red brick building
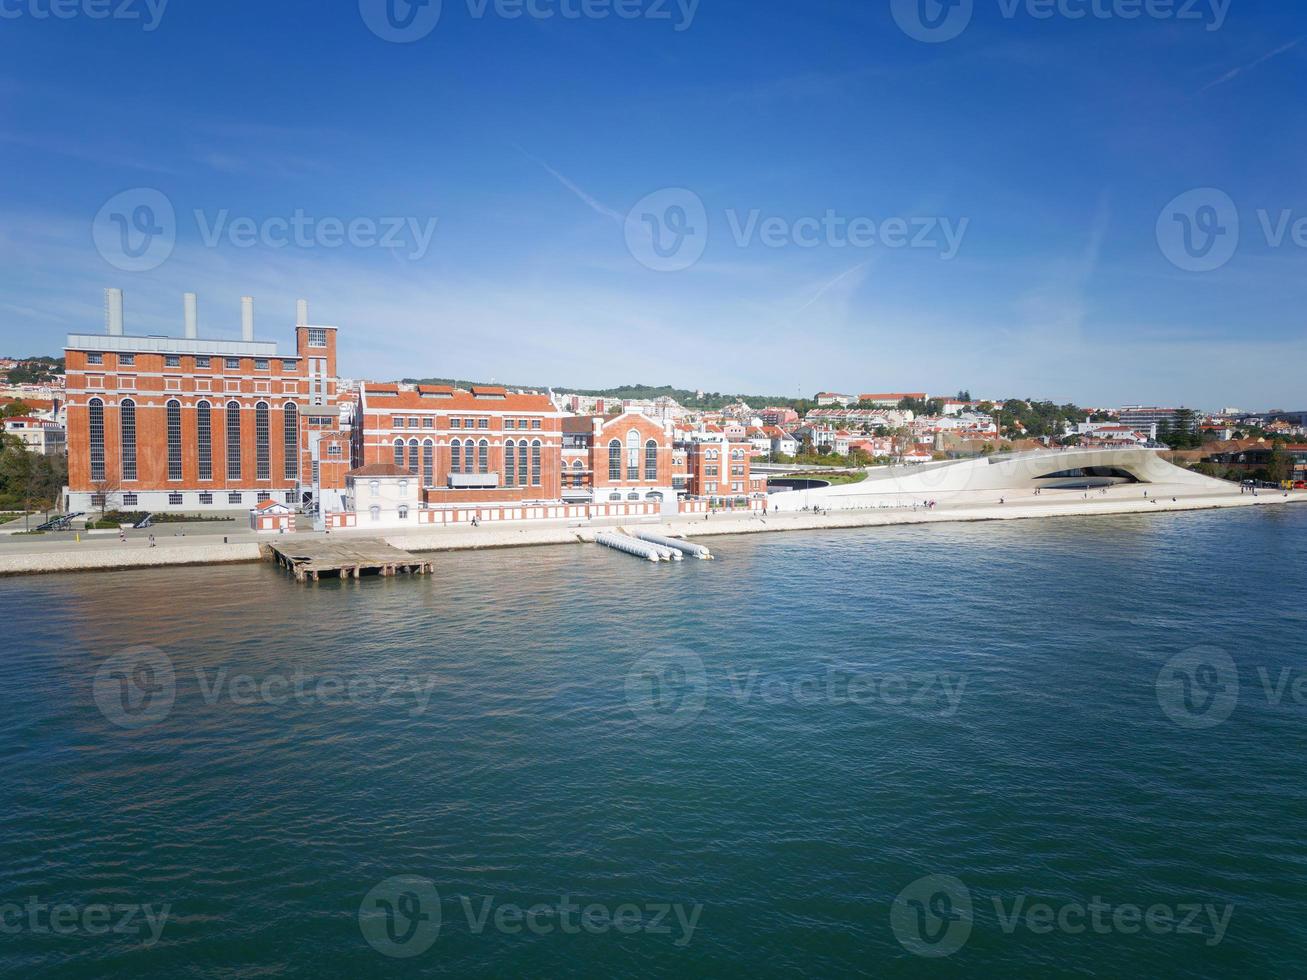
[721, 469]
[163, 423]
[482, 446]
[627, 457]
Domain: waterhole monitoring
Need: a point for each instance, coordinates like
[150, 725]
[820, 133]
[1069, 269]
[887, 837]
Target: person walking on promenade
[151, 540]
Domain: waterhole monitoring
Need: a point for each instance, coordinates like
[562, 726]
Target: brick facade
[162, 423]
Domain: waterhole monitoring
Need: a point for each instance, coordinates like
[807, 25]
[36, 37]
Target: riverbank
[32, 555]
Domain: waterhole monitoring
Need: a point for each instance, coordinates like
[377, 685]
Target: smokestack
[192, 304]
[247, 318]
[113, 312]
[301, 313]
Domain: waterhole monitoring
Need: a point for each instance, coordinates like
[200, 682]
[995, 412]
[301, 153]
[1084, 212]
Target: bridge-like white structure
[989, 478]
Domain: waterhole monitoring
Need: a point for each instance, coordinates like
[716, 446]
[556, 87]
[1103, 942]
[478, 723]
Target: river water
[1056, 747]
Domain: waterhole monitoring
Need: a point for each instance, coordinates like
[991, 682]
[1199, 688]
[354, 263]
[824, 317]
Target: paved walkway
[176, 544]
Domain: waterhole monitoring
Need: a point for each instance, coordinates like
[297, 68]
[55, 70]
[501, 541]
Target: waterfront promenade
[219, 543]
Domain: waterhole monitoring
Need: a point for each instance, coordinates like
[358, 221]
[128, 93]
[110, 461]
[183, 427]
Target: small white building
[272, 517]
[37, 435]
[383, 495]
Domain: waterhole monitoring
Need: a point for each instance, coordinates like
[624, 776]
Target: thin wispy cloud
[1234, 73]
[590, 201]
[827, 286]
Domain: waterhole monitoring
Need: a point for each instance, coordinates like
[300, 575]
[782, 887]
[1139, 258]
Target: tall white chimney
[192, 304]
[247, 318]
[301, 313]
[113, 312]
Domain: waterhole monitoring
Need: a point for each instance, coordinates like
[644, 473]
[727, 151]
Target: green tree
[1278, 468]
[14, 409]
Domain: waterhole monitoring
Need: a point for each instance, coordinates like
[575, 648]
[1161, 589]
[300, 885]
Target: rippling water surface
[773, 746]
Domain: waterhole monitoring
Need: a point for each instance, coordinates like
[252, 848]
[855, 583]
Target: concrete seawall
[97, 559]
[111, 555]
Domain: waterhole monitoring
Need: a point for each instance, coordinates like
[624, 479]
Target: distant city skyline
[1104, 211]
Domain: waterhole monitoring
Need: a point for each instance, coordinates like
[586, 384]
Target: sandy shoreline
[35, 556]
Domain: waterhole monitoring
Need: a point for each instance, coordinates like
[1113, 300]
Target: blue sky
[1016, 189]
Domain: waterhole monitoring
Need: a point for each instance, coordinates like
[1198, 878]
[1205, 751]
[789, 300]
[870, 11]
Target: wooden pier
[312, 560]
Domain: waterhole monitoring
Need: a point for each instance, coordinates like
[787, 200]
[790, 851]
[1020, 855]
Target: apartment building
[890, 399]
[721, 468]
[195, 423]
[37, 435]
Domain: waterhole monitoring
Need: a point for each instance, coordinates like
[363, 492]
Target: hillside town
[136, 424]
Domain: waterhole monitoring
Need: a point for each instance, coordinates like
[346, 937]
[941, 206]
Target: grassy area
[834, 479]
[113, 518]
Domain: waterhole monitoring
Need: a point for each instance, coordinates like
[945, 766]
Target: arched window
[615, 495]
[374, 488]
[204, 440]
[174, 413]
[233, 440]
[375, 512]
[522, 463]
[403, 488]
[654, 495]
[615, 461]
[456, 456]
[95, 428]
[651, 460]
[127, 436]
[403, 512]
[535, 463]
[632, 456]
[413, 457]
[399, 453]
[290, 437]
[483, 456]
[633, 495]
[510, 463]
[262, 454]
[428, 462]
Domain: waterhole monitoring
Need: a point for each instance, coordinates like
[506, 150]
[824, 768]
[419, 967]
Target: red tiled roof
[379, 469]
[389, 397]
